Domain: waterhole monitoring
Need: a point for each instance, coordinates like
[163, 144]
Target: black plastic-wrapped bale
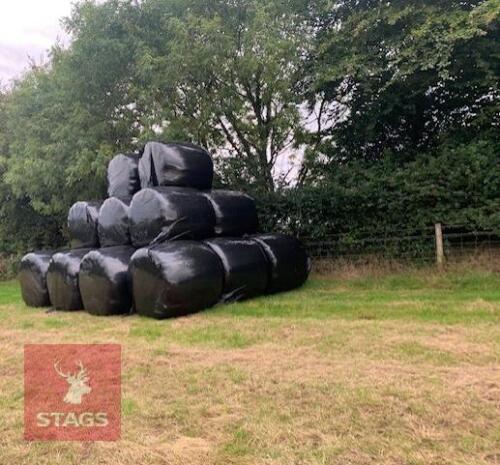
[175, 278]
[183, 165]
[104, 280]
[82, 224]
[235, 213]
[113, 222]
[123, 175]
[33, 279]
[62, 279]
[245, 267]
[172, 212]
[289, 264]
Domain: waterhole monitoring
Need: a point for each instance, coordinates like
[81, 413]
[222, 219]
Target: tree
[224, 74]
[408, 76]
[21, 227]
[68, 117]
[226, 77]
[395, 89]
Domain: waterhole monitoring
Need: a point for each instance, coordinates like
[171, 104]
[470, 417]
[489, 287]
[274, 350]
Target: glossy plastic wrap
[113, 222]
[175, 278]
[123, 175]
[235, 213]
[167, 212]
[104, 280]
[62, 279]
[33, 279]
[183, 165]
[289, 264]
[82, 224]
[245, 267]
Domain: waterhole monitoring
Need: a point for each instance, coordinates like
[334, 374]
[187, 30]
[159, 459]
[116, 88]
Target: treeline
[338, 115]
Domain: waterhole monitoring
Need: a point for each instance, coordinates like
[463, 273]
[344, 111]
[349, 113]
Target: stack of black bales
[163, 243]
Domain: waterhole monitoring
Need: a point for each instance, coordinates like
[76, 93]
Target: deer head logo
[78, 384]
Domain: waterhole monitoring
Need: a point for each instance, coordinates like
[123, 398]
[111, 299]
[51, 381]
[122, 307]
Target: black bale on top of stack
[179, 165]
[161, 200]
[123, 175]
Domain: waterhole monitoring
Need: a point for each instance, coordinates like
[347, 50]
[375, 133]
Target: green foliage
[219, 73]
[404, 129]
[62, 125]
[225, 77]
[457, 185]
[21, 227]
[409, 76]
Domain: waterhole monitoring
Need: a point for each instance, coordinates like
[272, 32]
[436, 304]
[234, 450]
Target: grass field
[397, 369]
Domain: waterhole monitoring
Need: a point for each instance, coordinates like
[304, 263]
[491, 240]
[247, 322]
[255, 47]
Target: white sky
[27, 29]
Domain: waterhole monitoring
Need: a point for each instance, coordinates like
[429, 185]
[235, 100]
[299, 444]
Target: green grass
[129, 407]
[55, 323]
[385, 370]
[214, 336]
[10, 293]
[413, 351]
[240, 443]
[147, 331]
[448, 298]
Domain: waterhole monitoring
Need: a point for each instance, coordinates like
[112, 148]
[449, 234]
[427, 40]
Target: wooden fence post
[439, 245]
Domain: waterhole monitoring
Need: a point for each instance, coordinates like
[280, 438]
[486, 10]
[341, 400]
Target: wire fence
[360, 247]
[417, 246]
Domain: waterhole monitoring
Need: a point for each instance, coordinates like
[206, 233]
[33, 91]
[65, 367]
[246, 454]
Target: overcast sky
[27, 29]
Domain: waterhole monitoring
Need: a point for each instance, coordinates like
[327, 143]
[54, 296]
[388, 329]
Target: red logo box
[72, 392]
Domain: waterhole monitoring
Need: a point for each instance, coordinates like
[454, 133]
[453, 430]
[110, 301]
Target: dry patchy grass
[400, 369]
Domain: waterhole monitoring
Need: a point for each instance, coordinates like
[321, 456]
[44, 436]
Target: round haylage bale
[176, 278]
